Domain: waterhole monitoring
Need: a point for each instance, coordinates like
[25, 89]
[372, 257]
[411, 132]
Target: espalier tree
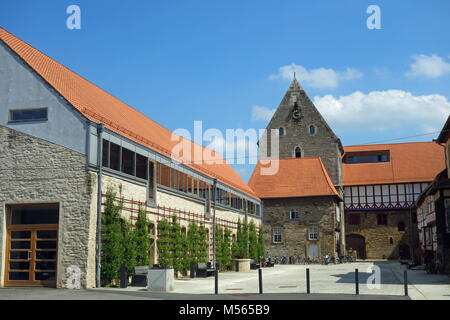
[261, 242]
[240, 246]
[178, 253]
[141, 239]
[192, 239]
[164, 243]
[111, 253]
[253, 244]
[219, 245]
[128, 246]
[202, 244]
[226, 249]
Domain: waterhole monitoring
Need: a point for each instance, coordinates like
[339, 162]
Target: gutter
[100, 128]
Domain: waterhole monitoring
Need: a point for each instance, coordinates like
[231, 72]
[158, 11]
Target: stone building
[302, 214]
[308, 183]
[377, 183]
[64, 142]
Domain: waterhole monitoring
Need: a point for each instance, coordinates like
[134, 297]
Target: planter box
[244, 264]
[160, 280]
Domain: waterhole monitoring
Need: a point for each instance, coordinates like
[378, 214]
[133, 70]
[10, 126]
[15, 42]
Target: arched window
[298, 152]
[401, 226]
[281, 132]
[312, 130]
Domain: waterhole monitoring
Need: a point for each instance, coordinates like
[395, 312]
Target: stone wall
[36, 171]
[313, 211]
[377, 237]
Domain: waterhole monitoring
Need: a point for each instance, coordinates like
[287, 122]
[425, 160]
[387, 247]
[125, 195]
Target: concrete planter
[160, 280]
[244, 264]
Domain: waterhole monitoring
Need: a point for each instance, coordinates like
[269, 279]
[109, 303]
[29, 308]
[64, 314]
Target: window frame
[10, 111]
[277, 233]
[382, 219]
[313, 230]
[297, 215]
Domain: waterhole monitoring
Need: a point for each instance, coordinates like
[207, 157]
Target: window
[34, 214]
[128, 161]
[281, 132]
[298, 152]
[276, 235]
[151, 180]
[338, 213]
[401, 226]
[313, 233]
[105, 153]
[40, 114]
[141, 167]
[367, 157]
[312, 130]
[258, 210]
[294, 214]
[382, 219]
[353, 219]
[114, 156]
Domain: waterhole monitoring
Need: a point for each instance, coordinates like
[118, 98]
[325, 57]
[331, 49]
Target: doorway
[32, 245]
[358, 243]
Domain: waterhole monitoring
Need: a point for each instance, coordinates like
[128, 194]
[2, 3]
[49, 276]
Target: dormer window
[367, 156]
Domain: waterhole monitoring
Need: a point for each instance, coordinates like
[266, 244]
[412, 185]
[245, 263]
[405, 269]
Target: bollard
[216, 280]
[308, 291]
[123, 277]
[237, 266]
[192, 270]
[405, 281]
[260, 281]
[356, 281]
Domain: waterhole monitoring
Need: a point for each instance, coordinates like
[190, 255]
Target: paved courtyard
[283, 282]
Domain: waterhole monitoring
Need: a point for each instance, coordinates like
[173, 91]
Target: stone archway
[356, 242]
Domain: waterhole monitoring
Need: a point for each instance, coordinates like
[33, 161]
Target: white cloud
[317, 78]
[260, 113]
[431, 66]
[381, 110]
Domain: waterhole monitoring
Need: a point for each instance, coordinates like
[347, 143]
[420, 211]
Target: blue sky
[181, 61]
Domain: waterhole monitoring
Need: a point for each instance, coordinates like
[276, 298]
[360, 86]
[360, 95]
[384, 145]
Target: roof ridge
[385, 144]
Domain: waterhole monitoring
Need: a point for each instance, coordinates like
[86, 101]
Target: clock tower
[304, 133]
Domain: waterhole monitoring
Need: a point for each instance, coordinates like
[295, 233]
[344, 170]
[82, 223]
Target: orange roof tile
[101, 107]
[296, 177]
[409, 162]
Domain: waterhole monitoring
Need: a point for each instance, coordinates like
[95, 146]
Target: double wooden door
[31, 255]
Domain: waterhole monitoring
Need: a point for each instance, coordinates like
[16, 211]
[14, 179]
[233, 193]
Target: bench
[254, 265]
[139, 277]
[204, 270]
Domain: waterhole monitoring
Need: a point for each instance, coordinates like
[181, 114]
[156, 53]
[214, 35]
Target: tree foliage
[111, 232]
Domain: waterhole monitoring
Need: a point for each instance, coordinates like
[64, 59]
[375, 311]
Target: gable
[22, 88]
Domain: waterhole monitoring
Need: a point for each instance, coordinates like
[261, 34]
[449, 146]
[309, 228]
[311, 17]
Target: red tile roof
[296, 177]
[99, 106]
[409, 162]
